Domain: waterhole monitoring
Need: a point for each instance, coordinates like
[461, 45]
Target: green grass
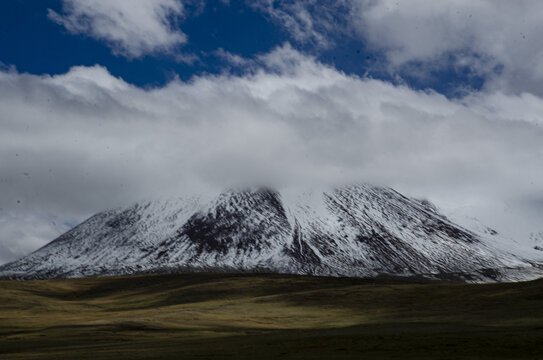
[234, 316]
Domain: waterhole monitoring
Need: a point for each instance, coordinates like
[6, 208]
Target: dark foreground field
[201, 316]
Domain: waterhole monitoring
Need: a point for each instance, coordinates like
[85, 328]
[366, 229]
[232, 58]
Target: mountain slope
[358, 230]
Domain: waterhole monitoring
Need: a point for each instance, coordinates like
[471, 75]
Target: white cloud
[131, 28]
[25, 232]
[483, 34]
[498, 40]
[74, 144]
[231, 59]
[306, 21]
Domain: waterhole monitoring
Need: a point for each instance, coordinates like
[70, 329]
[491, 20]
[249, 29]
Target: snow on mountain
[537, 240]
[359, 230]
[498, 240]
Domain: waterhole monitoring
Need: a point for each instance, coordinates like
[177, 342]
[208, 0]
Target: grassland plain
[242, 316]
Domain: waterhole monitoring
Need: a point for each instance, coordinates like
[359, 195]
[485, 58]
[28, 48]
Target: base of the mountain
[476, 276]
[248, 316]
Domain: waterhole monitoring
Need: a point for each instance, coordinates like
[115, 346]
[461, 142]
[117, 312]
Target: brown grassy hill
[240, 316]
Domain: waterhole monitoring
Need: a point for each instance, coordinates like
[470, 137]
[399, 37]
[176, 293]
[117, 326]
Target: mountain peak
[358, 230]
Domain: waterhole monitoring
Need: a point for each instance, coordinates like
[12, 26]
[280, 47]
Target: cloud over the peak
[131, 28]
[83, 141]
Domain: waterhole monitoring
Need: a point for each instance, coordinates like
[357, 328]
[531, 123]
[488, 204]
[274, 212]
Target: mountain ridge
[359, 230]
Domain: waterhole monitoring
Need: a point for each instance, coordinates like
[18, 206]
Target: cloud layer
[131, 28]
[77, 143]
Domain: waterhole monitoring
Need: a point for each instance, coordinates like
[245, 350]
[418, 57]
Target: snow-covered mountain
[359, 230]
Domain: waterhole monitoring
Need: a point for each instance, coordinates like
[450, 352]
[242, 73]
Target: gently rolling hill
[244, 316]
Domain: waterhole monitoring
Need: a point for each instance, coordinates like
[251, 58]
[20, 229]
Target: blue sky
[34, 43]
[104, 102]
